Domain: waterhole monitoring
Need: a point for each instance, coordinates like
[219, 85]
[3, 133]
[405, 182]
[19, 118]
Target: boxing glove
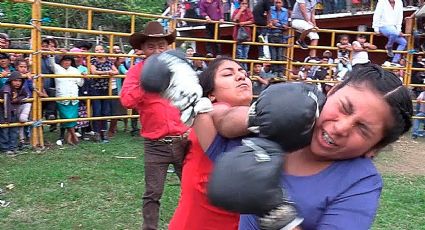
[171, 75]
[286, 113]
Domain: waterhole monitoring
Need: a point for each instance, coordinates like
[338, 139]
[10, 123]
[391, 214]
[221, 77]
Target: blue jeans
[347, 68]
[9, 138]
[393, 37]
[242, 53]
[101, 108]
[276, 52]
[417, 123]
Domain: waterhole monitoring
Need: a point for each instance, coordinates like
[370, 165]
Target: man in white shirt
[387, 20]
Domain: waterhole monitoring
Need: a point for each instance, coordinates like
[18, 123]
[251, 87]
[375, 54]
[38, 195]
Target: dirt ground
[406, 156]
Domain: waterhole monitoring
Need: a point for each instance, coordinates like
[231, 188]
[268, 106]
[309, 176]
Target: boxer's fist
[286, 113]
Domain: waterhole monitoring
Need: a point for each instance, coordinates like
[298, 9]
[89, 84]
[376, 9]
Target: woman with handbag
[242, 32]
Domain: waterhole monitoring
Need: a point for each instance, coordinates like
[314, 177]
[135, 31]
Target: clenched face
[232, 86]
[352, 122]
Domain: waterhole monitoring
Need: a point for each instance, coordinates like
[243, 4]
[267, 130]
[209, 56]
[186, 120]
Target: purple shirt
[343, 196]
[213, 10]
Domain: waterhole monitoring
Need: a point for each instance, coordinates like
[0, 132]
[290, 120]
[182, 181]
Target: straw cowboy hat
[153, 29]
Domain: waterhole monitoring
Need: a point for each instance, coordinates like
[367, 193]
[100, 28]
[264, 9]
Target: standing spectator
[127, 64]
[278, 24]
[226, 9]
[243, 17]
[116, 49]
[266, 71]
[165, 136]
[211, 10]
[12, 93]
[387, 20]
[82, 127]
[24, 111]
[99, 87]
[303, 20]
[360, 51]
[5, 68]
[84, 46]
[67, 87]
[261, 12]
[343, 54]
[48, 44]
[421, 113]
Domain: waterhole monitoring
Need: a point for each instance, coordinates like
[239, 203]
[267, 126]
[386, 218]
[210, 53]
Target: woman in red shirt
[226, 84]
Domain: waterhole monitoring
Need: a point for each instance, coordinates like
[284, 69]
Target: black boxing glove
[286, 113]
[170, 74]
[247, 180]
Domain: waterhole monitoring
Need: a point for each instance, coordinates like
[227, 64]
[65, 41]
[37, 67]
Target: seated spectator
[243, 17]
[320, 72]
[266, 71]
[13, 94]
[360, 48]
[421, 113]
[259, 80]
[387, 20]
[278, 24]
[5, 68]
[198, 65]
[343, 54]
[116, 49]
[328, 54]
[303, 20]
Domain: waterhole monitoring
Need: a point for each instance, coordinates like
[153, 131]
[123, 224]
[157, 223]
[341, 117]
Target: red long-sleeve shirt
[158, 116]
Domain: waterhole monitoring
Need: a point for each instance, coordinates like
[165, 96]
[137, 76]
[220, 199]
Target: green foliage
[21, 13]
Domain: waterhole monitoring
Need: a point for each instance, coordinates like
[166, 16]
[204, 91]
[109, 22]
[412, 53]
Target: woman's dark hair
[394, 93]
[343, 36]
[69, 58]
[206, 78]
[19, 60]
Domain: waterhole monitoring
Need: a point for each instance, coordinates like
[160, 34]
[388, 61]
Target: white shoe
[77, 134]
[59, 142]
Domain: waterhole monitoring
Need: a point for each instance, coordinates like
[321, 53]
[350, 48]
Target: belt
[173, 138]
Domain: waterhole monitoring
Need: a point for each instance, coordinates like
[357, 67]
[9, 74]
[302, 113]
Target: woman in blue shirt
[333, 182]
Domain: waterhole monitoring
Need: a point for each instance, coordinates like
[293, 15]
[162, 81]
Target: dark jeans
[101, 108]
[158, 156]
[276, 52]
[9, 138]
[213, 48]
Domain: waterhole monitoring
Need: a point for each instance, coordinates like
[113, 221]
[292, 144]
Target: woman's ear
[371, 153]
[211, 97]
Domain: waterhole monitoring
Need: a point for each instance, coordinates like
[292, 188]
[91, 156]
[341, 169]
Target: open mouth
[328, 138]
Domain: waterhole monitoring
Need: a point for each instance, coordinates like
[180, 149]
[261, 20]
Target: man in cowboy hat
[165, 136]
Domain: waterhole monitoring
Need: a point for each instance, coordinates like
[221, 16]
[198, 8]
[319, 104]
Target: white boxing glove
[170, 74]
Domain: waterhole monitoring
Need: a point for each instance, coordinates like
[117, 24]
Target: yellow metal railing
[37, 30]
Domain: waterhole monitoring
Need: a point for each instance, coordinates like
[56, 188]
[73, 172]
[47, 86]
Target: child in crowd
[344, 49]
[13, 94]
[5, 68]
[360, 51]
[260, 80]
[24, 111]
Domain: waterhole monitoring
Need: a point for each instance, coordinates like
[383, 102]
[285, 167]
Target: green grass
[102, 192]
